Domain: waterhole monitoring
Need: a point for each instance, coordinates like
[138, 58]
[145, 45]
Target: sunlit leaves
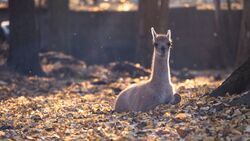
[47, 109]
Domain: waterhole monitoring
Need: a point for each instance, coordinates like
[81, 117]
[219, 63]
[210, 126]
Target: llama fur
[158, 89]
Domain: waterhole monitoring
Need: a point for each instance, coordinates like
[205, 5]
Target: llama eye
[155, 44]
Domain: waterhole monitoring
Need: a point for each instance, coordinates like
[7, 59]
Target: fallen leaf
[182, 116]
[182, 131]
[2, 134]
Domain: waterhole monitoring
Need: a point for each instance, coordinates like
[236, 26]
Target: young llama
[158, 89]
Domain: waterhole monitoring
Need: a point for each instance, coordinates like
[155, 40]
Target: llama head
[162, 42]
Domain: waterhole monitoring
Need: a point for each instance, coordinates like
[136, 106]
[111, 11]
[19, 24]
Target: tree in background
[225, 50]
[239, 81]
[24, 38]
[58, 22]
[152, 13]
[244, 40]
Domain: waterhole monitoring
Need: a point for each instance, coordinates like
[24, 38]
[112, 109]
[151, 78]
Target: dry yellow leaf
[2, 134]
[182, 131]
[167, 114]
[209, 139]
[235, 131]
[182, 116]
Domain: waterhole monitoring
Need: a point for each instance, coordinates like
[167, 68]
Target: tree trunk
[244, 41]
[228, 25]
[59, 25]
[224, 50]
[229, 5]
[152, 13]
[24, 39]
[237, 82]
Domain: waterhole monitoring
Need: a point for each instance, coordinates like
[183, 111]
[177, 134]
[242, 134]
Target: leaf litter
[80, 108]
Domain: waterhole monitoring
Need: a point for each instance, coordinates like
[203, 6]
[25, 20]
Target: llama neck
[160, 69]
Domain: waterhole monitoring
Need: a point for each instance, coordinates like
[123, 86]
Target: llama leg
[121, 103]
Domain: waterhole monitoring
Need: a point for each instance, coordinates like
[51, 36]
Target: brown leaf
[182, 131]
[209, 139]
[182, 116]
[2, 134]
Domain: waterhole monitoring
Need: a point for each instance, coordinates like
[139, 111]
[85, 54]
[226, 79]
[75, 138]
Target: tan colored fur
[158, 89]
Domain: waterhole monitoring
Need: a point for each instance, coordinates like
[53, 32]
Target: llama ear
[169, 34]
[153, 33]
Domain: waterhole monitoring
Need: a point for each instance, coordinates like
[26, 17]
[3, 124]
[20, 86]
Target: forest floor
[74, 108]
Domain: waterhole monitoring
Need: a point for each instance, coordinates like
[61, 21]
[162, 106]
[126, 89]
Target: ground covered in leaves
[65, 108]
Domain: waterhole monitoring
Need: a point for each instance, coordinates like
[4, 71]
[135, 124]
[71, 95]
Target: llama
[158, 89]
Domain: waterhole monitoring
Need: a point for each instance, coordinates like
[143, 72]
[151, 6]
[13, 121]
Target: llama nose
[163, 49]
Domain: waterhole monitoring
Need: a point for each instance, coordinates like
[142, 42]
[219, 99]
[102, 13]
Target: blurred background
[207, 34]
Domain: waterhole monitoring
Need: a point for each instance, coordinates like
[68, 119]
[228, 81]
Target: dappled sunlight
[121, 6]
[132, 5]
[83, 109]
